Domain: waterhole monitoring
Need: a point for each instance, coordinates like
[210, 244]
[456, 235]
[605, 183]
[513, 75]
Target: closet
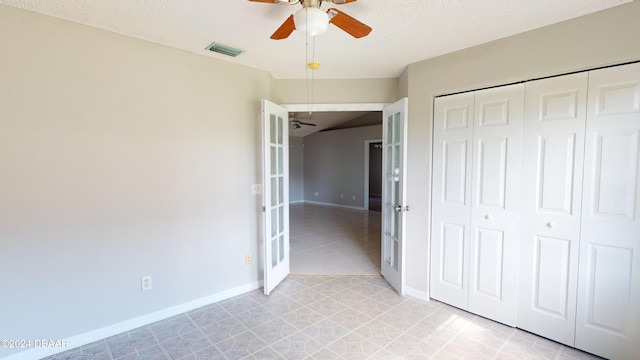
[538, 226]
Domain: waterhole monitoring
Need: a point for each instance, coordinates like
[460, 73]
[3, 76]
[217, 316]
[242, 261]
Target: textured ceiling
[404, 31]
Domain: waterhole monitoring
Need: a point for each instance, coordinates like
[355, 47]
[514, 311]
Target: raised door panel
[453, 132]
[608, 314]
[495, 211]
[552, 154]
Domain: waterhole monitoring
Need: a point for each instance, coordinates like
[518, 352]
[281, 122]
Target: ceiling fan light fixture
[311, 21]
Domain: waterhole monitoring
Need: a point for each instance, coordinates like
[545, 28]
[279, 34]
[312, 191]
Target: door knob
[488, 216]
[551, 224]
[399, 208]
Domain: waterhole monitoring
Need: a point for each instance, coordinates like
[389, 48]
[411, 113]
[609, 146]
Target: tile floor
[334, 241]
[326, 317]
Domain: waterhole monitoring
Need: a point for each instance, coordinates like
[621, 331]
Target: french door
[275, 194]
[394, 198]
[275, 185]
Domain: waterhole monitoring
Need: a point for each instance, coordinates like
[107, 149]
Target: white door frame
[335, 107]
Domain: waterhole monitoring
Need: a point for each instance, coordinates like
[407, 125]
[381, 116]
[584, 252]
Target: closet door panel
[554, 126]
[495, 203]
[453, 132]
[608, 316]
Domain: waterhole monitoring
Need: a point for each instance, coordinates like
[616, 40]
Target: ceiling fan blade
[285, 29]
[296, 123]
[345, 22]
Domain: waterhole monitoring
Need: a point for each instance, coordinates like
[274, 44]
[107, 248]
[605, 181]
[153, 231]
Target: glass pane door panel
[274, 161]
[274, 222]
[274, 252]
[396, 159]
[396, 128]
[281, 245]
[280, 130]
[390, 129]
[387, 250]
[274, 193]
[280, 160]
[396, 228]
[395, 254]
[273, 139]
[281, 219]
[396, 191]
[280, 190]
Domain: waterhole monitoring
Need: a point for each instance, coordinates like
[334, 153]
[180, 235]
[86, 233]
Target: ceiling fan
[297, 124]
[312, 20]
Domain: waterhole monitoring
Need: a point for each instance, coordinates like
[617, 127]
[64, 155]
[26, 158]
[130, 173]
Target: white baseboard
[296, 202]
[333, 205]
[420, 295]
[118, 328]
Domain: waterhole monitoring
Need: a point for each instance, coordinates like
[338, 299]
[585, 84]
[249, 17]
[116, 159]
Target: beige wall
[346, 91]
[119, 158]
[603, 38]
[334, 165]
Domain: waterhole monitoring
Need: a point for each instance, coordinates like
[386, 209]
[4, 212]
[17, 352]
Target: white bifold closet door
[608, 307]
[553, 151]
[451, 206]
[555, 200]
[477, 158]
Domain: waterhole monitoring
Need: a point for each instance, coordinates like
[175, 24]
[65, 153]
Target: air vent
[224, 49]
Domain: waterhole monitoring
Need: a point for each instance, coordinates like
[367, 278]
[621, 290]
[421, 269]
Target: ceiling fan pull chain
[306, 54]
[313, 74]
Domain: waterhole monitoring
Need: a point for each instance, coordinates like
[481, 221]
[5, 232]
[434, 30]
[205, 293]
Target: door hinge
[264, 209]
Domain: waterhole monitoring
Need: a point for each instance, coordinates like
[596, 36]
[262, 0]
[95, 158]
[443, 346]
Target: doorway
[334, 235]
[394, 132]
[373, 175]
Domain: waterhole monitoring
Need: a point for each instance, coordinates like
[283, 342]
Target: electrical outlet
[341, 196]
[316, 194]
[256, 189]
[145, 283]
[354, 197]
[247, 259]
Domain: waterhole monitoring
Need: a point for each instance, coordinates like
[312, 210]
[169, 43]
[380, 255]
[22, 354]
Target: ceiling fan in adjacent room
[297, 124]
[312, 20]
